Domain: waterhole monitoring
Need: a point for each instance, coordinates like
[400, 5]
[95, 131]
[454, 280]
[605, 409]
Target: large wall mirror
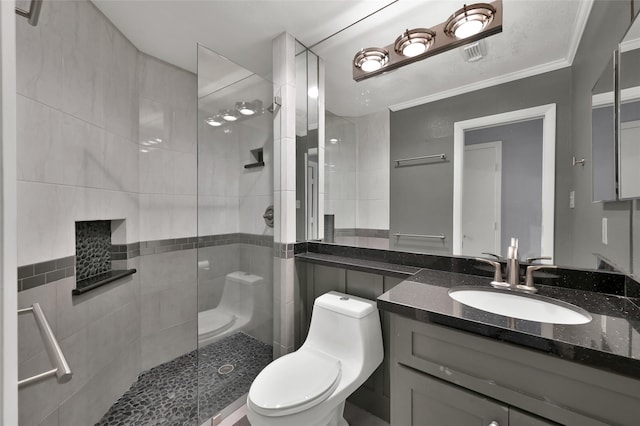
[410, 113]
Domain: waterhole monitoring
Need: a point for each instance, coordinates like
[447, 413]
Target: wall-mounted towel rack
[424, 157]
[56, 356]
[33, 14]
[398, 235]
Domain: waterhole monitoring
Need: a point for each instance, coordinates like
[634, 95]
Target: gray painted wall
[585, 221]
[521, 207]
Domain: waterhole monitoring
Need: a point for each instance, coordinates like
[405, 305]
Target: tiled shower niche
[94, 256]
[93, 248]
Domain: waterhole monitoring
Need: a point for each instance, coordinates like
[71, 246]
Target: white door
[481, 198]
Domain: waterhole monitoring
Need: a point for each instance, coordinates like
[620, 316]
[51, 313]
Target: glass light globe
[469, 28]
[414, 49]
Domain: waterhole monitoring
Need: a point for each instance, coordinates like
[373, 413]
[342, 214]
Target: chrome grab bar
[424, 157]
[398, 235]
[33, 15]
[56, 356]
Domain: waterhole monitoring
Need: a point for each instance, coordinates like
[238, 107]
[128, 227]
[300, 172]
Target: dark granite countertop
[364, 265]
[611, 341]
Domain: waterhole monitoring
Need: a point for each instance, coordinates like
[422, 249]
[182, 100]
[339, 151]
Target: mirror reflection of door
[527, 185]
[482, 198]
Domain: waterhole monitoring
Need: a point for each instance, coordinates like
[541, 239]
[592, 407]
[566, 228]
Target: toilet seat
[294, 383]
[214, 321]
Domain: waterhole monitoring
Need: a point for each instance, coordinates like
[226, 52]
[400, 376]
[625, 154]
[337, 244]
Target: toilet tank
[347, 327]
[241, 292]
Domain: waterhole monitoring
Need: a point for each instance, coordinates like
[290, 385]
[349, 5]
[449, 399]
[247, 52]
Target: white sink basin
[519, 305]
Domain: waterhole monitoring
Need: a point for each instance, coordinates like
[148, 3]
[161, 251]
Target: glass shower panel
[235, 243]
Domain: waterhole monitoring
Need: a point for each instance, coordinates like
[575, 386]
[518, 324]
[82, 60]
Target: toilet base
[334, 418]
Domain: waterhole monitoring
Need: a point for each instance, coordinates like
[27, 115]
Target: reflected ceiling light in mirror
[229, 115]
[313, 92]
[414, 42]
[371, 59]
[214, 121]
[467, 25]
[245, 108]
[470, 20]
[334, 141]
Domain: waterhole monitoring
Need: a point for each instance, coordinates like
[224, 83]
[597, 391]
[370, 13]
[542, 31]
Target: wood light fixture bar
[433, 40]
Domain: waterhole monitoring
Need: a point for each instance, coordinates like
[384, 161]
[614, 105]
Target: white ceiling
[538, 36]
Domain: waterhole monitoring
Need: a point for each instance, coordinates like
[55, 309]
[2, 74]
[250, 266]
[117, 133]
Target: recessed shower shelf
[91, 283]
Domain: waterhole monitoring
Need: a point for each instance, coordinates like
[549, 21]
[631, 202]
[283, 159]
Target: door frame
[548, 115]
[497, 185]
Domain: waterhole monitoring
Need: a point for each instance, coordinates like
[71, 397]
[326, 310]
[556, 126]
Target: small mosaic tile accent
[362, 232]
[169, 393]
[93, 248]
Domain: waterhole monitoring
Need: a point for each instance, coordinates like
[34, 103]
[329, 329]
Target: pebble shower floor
[168, 394]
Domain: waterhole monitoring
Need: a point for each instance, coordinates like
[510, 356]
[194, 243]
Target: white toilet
[237, 310]
[309, 386]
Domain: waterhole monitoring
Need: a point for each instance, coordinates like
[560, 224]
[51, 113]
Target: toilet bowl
[309, 386]
[236, 310]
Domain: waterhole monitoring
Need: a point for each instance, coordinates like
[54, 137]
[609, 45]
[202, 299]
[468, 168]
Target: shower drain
[225, 369]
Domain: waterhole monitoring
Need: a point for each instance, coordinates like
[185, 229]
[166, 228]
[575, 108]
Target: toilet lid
[294, 383]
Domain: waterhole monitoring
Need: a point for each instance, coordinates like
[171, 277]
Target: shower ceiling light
[229, 115]
[214, 121]
[414, 42]
[470, 20]
[371, 59]
[467, 25]
[245, 108]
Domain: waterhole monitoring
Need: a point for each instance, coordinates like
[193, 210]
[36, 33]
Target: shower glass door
[235, 248]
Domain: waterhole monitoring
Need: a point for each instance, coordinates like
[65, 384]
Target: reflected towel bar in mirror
[424, 157]
[398, 235]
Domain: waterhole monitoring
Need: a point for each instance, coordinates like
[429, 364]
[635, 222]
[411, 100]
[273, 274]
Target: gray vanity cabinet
[424, 400]
[443, 376]
[420, 399]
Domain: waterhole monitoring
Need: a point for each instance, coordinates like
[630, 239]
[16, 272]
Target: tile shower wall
[167, 163]
[77, 160]
[88, 104]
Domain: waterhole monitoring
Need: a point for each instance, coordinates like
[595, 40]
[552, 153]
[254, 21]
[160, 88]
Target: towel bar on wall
[61, 370]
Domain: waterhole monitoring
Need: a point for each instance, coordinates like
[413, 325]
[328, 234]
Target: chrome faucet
[513, 264]
[513, 270]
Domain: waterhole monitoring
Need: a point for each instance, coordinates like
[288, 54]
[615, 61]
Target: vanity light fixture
[245, 108]
[470, 20]
[467, 25]
[371, 59]
[414, 42]
[215, 121]
[229, 115]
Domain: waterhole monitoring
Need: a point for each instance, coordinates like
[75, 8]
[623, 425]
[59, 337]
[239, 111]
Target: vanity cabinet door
[419, 399]
[521, 418]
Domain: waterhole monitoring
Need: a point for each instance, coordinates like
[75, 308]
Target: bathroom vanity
[457, 365]
[450, 364]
